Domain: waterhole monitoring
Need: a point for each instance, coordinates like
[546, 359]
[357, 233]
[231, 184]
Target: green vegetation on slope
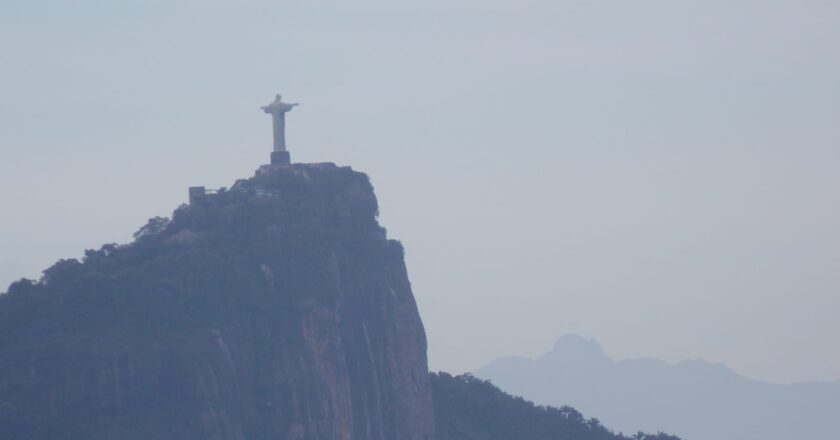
[126, 342]
[468, 408]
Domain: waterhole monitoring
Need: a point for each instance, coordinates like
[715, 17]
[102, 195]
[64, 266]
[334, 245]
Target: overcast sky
[659, 175]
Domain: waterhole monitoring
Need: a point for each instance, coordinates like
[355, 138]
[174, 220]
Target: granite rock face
[276, 309]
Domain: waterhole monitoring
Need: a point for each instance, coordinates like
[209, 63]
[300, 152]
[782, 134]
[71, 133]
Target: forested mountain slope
[275, 309]
[468, 408]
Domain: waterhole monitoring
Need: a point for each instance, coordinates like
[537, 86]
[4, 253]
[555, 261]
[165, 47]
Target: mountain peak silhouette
[650, 394]
[576, 349]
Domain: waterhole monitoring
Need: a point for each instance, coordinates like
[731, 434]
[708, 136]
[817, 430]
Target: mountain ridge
[646, 393]
[276, 308]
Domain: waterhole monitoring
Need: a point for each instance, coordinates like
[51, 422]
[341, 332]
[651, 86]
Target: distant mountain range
[694, 399]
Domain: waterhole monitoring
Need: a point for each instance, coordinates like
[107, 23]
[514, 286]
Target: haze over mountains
[276, 309]
[694, 399]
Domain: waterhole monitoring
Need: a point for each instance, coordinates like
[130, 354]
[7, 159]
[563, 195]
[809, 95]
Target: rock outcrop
[275, 309]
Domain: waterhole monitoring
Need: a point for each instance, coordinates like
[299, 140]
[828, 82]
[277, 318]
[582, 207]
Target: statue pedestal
[280, 158]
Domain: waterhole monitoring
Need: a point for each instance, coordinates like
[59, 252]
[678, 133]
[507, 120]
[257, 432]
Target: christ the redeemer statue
[277, 110]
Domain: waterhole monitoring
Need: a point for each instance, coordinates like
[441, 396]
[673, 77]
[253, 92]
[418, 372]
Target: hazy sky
[660, 175]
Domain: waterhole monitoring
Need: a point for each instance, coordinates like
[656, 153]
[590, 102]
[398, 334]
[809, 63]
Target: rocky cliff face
[275, 309]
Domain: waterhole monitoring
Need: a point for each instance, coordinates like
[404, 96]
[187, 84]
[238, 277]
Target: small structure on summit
[197, 194]
[278, 110]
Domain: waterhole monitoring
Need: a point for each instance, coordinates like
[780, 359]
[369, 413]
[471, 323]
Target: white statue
[277, 110]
